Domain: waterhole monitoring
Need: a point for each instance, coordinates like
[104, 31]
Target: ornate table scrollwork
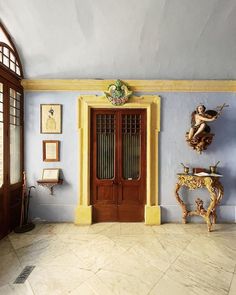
[216, 191]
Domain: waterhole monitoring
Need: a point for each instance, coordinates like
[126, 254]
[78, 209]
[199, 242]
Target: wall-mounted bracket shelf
[50, 184]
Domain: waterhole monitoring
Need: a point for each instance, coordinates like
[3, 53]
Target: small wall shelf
[50, 184]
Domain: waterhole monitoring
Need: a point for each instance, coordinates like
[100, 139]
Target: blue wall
[175, 111]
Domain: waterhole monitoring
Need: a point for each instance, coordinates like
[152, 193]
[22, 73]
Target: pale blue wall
[176, 109]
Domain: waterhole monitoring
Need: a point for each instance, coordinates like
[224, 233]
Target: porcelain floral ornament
[118, 93]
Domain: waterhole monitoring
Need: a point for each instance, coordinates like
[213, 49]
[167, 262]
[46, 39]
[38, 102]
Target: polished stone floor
[121, 258]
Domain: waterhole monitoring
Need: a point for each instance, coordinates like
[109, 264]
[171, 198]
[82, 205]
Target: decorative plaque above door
[118, 93]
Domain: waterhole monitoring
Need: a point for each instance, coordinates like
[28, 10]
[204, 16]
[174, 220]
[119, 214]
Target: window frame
[10, 194]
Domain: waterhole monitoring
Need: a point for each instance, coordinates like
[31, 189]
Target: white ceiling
[127, 39]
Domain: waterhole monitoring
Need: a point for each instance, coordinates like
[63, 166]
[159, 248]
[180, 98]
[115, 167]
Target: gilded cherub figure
[199, 136]
[199, 118]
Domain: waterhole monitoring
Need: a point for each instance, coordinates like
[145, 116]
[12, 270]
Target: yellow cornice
[134, 85]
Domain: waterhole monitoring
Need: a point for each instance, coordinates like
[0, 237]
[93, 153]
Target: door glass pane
[105, 133]
[131, 138]
[1, 135]
[15, 139]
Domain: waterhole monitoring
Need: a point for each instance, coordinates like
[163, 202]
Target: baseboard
[172, 213]
[53, 212]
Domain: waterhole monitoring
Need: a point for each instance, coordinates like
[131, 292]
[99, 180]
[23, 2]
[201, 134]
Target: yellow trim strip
[134, 85]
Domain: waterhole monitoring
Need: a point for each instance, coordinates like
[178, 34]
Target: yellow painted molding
[152, 105]
[134, 85]
[83, 215]
[152, 215]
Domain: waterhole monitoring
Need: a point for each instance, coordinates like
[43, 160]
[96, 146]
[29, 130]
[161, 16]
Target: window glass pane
[12, 66]
[12, 111]
[12, 57]
[1, 92]
[12, 120]
[6, 61]
[15, 139]
[105, 146]
[12, 93]
[1, 138]
[17, 104]
[18, 71]
[15, 173]
[12, 101]
[6, 51]
[131, 137]
[1, 154]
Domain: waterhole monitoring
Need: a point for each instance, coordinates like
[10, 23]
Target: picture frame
[50, 118]
[51, 150]
[50, 174]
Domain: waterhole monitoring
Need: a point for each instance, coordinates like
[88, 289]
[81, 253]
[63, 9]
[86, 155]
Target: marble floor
[121, 258]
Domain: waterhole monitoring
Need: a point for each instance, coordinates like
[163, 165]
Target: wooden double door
[118, 164]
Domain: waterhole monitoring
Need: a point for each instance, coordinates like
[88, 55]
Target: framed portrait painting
[51, 118]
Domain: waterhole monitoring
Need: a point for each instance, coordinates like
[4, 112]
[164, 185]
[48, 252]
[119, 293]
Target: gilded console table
[215, 188]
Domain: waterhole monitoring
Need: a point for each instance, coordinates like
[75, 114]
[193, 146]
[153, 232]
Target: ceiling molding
[134, 85]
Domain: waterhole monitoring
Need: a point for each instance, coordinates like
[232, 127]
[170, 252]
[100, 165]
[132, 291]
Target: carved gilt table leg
[212, 207]
[182, 205]
[219, 191]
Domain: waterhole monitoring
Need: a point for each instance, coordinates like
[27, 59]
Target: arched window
[9, 57]
[11, 133]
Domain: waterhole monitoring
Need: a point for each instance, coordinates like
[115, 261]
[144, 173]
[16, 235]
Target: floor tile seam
[102, 282]
[10, 286]
[22, 267]
[164, 273]
[232, 279]
[195, 282]
[31, 287]
[117, 257]
[122, 273]
[81, 283]
[181, 252]
[28, 245]
[15, 252]
[210, 264]
[87, 269]
[42, 249]
[231, 283]
[155, 284]
[114, 259]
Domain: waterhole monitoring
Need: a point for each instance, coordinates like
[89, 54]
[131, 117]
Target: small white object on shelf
[208, 174]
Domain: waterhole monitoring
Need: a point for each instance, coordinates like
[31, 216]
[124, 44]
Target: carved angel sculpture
[199, 136]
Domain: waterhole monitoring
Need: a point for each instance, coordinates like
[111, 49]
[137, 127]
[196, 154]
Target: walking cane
[22, 215]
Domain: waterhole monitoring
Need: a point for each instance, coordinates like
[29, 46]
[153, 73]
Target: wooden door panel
[126, 213]
[130, 194]
[104, 213]
[105, 194]
[118, 164]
